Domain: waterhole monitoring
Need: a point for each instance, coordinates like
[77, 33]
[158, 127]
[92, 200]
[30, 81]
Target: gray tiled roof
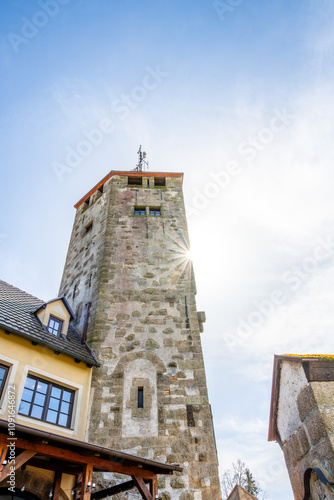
[17, 316]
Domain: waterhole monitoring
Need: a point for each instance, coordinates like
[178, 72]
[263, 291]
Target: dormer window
[55, 325]
[56, 316]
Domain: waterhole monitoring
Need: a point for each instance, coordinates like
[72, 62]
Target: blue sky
[242, 103]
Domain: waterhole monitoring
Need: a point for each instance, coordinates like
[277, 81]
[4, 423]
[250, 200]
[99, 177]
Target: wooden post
[154, 488]
[57, 485]
[87, 479]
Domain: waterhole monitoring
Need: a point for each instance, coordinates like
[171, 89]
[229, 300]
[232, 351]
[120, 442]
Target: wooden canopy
[64, 455]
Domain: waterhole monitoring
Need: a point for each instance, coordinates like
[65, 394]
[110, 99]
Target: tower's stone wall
[145, 329]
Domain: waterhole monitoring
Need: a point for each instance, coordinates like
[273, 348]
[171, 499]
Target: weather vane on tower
[142, 162]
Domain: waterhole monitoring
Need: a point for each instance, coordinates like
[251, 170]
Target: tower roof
[126, 173]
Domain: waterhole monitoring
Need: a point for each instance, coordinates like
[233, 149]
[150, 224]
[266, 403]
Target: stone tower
[129, 279]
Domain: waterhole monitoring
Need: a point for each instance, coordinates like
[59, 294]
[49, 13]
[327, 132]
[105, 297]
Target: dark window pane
[140, 397]
[41, 387]
[56, 392]
[39, 399]
[36, 411]
[52, 416]
[67, 396]
[65, 407]
[62, 419]
[54, 404]
[27, 395]
[24, 408]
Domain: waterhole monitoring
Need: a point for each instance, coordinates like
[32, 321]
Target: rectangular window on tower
[135, 181]
[155, 211]
[140, 397]
[159, 181]
[140, 211]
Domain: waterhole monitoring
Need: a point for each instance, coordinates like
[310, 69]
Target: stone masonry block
[306, 402]
[323, 393]
[315, 428]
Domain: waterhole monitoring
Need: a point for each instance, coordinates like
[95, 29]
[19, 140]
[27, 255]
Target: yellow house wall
[59, 311]
[23, 359]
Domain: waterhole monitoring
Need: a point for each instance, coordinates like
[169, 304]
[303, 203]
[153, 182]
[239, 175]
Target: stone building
[302, 422]
[130, 282]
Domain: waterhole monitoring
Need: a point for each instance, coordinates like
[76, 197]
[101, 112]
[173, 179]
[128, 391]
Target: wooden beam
[87, 479]
[19, 460]
[112, 490]
[3, 452]
[57, 484]
[55, 465]
[139, 482]
[103, 464]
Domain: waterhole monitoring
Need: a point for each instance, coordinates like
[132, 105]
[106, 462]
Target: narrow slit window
[140, 211]
[155, 211]
[87, 202]
[140, 397]
[88, 228]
